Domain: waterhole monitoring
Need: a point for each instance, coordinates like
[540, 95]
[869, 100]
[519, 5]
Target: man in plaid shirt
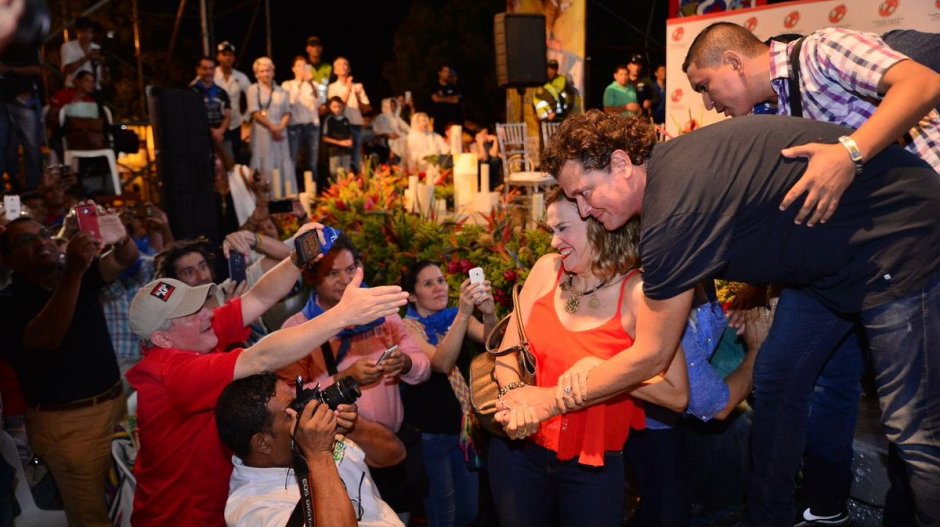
[856, 80]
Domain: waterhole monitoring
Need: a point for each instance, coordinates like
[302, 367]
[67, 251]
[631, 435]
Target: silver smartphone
[386, 353]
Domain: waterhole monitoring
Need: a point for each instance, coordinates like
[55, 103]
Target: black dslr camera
[343, 391]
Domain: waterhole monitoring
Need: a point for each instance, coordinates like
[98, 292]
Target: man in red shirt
[183, 469]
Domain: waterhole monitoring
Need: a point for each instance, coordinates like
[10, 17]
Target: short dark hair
[205, 57]
[5, 236]
[167, 258]
[242, 411]
[299, 57]
[314, 42]
[341, 243]
[709, 45]
[335, 98]
[591, 137]
[82, 74]
[83, 23]
[409, 279]
[621, 67]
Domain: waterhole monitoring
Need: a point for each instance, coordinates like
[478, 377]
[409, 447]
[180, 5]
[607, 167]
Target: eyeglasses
[27, 239]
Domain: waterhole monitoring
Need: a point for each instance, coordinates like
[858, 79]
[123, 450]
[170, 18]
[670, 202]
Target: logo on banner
[676, 95]
[838, 13]
[678, 33]
[888, 7]
[751, 23]
[792, 19]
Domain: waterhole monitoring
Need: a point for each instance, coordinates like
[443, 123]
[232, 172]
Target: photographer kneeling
[257, 420]
[183, 469]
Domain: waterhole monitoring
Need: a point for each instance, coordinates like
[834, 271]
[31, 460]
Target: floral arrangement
[369, 208]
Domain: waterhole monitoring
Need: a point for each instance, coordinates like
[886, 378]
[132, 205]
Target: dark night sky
[616, 29]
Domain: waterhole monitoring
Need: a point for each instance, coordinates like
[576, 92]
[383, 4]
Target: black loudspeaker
[520, 50]
[184, 162]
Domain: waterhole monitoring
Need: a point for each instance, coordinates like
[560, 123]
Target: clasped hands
[521, 410]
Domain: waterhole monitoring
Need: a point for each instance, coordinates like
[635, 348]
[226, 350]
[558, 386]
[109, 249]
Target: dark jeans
[356, 159]
[22, 121]
[532, 488]
[830, 430]
[904, 338]
[453, 489]
[658, 459]
[304, 138]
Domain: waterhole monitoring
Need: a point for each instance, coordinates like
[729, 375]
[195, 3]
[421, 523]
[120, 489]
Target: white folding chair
[71, 157]
[517, 165]
[548, 130]
[30, 514]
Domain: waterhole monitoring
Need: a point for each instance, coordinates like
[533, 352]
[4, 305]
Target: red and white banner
[684, 107]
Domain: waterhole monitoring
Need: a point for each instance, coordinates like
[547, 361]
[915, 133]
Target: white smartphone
[476, 275]
[11, 207]
[386, 353]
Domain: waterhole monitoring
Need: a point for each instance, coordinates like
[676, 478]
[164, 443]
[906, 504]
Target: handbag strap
[523, 340]
[493, 348]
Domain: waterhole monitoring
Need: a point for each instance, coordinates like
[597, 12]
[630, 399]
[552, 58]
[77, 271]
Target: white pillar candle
[538, 206]
[456, 139]
[465, 181]
[412, 182]
[440, 207]
[485, 178]
[310, 186]
[276, 183]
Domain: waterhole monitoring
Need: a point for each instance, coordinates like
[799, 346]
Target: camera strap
[303, 511]
[329, 358]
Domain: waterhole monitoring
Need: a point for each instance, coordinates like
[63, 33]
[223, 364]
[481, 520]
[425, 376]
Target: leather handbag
[484, 390]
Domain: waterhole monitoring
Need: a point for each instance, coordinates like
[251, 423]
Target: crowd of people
[274, 387]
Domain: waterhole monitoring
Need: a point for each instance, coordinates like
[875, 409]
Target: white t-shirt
[72, 51]
[304, 104]
[235, 86]
[261, 497]
[353, 113]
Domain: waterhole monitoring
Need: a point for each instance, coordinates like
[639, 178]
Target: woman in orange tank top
[576, 303]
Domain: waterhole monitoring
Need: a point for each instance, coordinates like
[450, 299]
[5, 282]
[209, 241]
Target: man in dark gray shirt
[709, 203]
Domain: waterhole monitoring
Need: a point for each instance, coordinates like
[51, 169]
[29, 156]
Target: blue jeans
[658, 458]
[24, 121]
[453, 490]
[356, 147]
[304, 138]
[904, 337]
[830, 430]
[532, 488]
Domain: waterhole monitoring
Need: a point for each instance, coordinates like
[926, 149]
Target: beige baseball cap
[162, 300]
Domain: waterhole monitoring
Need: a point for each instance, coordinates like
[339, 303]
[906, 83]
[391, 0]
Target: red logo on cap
[676, 95]
[677, 33]
[791, 19]
[163, 291]
[751, 24]
[888, 7]
[837, 14]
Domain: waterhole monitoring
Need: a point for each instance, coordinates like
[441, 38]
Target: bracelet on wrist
[510, 387]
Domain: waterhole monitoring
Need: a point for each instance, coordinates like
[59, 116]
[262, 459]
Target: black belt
[112, 393]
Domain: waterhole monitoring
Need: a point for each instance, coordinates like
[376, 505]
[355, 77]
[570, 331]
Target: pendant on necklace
[264, 113]
[573, 303]
[594, 303]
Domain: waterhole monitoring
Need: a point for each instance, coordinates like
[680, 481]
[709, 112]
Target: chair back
[548, 130]
[513, 149]
[30, 514]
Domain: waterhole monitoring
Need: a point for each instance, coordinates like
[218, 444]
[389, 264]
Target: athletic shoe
[808, 518]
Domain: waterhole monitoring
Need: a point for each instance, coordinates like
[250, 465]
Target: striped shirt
[839, 74]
